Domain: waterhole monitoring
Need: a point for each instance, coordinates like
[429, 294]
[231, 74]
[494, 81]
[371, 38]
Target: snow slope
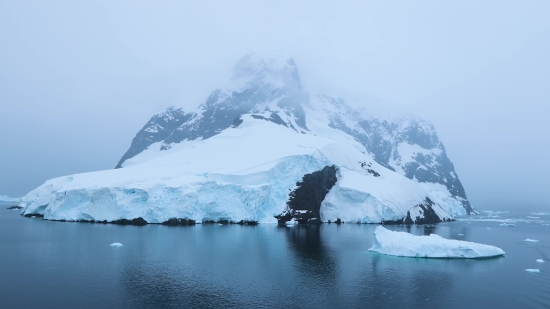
[241, 154]
[433, 246]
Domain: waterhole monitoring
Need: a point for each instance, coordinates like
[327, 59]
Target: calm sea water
[71, 265]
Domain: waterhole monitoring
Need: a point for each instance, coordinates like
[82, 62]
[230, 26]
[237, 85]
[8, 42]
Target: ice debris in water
[533, 217]
[433, 246]
[460, 234]
[116, 244]
[531, 240]
[540, 261]
[532, 270]
[507, 224]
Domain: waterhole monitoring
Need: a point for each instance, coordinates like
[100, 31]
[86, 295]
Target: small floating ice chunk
[116, 244]
[507, 224]
[433, 246]
[540, 261]
[532, 270]
[460, 234]
[533, 217]
[531, 240]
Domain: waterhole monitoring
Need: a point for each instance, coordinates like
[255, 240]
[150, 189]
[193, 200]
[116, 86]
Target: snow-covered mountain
[265, 150]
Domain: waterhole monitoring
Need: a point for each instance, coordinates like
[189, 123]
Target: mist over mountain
[264, 144]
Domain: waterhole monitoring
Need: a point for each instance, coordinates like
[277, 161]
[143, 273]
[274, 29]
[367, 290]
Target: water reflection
[398, 282]
[317, 266]
[313, 257]
[150, 286]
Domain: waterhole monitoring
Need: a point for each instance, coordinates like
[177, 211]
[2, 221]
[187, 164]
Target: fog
[78, 79]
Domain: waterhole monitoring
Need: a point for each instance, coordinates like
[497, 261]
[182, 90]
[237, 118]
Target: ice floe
[433, 246]
[532, 270]
[116, 244]
[531, 240]
[540, 261]
[507, 224]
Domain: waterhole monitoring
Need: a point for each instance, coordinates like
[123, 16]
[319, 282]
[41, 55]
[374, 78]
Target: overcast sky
[78, 79]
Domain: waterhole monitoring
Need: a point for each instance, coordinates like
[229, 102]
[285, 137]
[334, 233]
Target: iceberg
[433, 246]
[7, 199]
[116, 244]
[532, 270]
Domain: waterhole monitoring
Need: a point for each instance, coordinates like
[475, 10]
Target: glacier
[244, 154]
[434, 246]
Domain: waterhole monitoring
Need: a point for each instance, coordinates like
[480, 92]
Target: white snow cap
[116, 244]
[433, 246]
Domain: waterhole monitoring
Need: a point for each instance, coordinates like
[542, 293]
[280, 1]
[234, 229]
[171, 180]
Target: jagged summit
[274, 68]
[270, 87]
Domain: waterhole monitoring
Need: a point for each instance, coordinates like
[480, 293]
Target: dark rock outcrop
[137, 221]
[34, 215]
[178, 222]
[304, 202]
[158, 128]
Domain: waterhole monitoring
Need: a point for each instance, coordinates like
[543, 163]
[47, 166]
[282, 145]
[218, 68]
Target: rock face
[304, 203]
[410, 147]
[261, 149]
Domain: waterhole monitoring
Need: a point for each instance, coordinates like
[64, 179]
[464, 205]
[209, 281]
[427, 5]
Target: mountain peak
[275, 68]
